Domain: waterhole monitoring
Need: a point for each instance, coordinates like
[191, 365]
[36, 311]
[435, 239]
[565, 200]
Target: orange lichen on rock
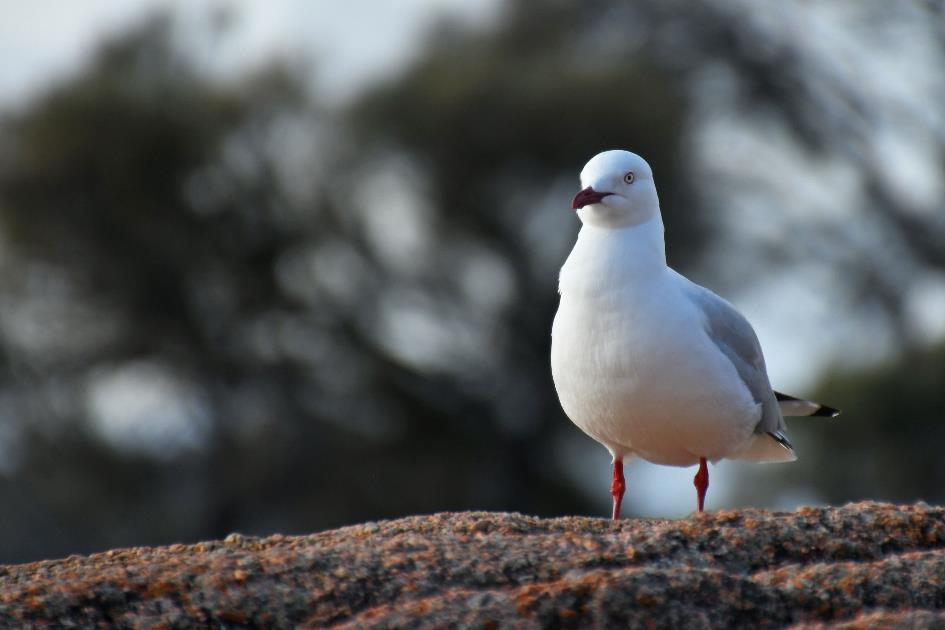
[862, 565]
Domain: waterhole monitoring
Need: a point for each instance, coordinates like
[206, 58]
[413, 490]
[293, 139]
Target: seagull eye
[628, 178]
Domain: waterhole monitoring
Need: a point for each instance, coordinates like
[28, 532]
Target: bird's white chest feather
[632, 363]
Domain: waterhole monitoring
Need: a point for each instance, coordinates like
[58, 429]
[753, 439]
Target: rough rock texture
[860, 566]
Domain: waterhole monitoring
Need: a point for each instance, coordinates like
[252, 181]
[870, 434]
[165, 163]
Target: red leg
[701, 482]
[617, 487]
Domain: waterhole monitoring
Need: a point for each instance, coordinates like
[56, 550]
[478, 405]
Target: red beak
[586, 197]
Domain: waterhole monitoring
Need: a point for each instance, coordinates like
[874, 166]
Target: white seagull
[645, 361]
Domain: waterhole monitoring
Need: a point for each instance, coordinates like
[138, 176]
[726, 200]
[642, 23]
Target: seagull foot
[701, 482]
[617, 488]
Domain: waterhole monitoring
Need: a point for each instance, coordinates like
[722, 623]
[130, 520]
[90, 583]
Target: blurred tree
[495, 121]
[197, 341]
[889, 446]
[140, 216]
[223, 306]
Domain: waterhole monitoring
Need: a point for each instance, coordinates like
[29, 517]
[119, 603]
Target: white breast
[632, 363]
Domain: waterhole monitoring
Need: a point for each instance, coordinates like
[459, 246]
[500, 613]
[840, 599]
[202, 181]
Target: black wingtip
[823, 411]
[826, 412]
[781, 439]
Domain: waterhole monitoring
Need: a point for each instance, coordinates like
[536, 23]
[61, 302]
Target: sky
[43, 40]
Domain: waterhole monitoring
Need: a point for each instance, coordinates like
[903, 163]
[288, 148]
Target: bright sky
[42, 40]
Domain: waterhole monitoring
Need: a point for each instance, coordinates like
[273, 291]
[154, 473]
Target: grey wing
[735, 337]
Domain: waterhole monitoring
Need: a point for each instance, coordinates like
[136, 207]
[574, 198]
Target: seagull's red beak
[586, 197]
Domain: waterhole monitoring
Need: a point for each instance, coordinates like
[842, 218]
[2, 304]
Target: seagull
[647, 362]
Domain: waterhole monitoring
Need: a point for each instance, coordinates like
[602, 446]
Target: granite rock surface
[862, 565]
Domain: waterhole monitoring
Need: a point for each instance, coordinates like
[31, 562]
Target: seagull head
[617, 191]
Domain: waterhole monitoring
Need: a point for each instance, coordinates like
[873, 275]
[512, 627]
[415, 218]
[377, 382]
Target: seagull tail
[791, 406]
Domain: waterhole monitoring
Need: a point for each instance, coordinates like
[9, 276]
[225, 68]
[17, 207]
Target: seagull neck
[639, 247]
[610, 261]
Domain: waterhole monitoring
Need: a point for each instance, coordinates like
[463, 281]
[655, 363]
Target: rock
[859, 566]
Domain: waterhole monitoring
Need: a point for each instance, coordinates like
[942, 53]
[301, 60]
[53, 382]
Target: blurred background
[287, 265]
